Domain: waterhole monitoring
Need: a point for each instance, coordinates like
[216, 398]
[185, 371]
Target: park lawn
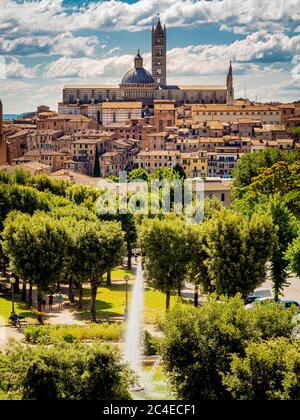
[5, 310]
[118, 274]
[110, 302]
[155, 305]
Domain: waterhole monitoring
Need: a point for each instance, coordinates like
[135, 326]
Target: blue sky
[48, 43]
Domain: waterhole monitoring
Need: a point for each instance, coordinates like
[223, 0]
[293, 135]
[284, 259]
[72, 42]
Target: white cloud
[64, 44]
[251, 54]
[55, 16]
[89, 67]
[15, 69]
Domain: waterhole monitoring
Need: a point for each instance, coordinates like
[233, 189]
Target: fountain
[133, 340]
[133, 346]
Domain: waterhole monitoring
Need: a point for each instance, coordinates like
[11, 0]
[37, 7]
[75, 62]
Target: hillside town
[146, 123]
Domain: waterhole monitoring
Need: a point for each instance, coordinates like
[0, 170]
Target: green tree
[36, 247]
[293, 255]
[164, 244]
[251, 164]
[198, 343]
[270, 370]
[64, 372]
[97, 168]
[238, 249]
[286, 232]
[197, 256]
[180, 171]
[98, 248]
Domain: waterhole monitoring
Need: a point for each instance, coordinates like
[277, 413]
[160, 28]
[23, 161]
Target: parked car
[261, 301]
[250, 299]
[263, 293]
[290, 303]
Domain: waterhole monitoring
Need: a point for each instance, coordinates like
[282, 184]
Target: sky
[45, 44]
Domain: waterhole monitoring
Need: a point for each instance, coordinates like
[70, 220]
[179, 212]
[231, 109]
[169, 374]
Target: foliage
[251, 164]
[95, 249]
[238, 249]
[151, 344]
[269, 371]
[64, 372]
[45, 334]
[36, 247]
[293, 255]
[199, 342]
[281, 177]
[97, 169]
[164, 244]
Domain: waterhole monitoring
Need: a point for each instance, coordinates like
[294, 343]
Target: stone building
[3, 148]
[265, 114]
[140, 85]
[120, 112]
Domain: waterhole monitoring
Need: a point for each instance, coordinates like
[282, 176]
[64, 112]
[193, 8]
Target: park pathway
[64, 316]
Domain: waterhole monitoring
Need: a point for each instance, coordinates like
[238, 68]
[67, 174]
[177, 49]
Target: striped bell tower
[159, 53]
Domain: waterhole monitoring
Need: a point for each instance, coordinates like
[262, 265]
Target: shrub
[151, 344]
[199, 343]
[269, 371]
[46, 334]
[64, 371]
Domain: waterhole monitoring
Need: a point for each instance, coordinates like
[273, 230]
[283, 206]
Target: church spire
[230, 88]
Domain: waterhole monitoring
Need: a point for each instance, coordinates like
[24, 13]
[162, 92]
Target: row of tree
[44, 250]
[226, 254]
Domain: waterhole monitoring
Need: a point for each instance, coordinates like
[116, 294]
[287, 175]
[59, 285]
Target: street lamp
[126, 279]
[12, 282]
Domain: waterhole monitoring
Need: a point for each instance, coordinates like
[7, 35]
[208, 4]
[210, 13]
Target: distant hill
[10, 116]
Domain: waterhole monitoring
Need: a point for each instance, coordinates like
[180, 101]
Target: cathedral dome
[137, 76]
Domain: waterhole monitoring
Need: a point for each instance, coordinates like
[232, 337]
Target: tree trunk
[129, 263]
[94, 288]
[30, 296]
[39, 305]
[70, 290]
[4, 269]
[108, 279]
[179, 291]
[17, 284]
[168, 298]
[58, 286]
[80, 296]
[196, 296]
[23, 294]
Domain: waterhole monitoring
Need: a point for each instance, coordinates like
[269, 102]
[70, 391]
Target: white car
[260, 300]
[263, 293]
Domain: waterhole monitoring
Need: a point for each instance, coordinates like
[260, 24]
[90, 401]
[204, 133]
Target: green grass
[111, 300]
[5, 310]
[118, 275]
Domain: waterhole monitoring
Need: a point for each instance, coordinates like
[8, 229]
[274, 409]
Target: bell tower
[230, 88]
[159, 53]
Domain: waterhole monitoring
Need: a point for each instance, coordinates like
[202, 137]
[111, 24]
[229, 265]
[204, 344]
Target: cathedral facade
[138, 84]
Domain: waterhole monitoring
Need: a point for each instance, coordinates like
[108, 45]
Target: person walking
[60, 300]
[50, 300]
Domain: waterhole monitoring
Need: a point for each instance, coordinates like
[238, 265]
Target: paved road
[292, 292]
